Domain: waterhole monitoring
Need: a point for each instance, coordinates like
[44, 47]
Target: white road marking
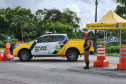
[47, 66]
[43, 65]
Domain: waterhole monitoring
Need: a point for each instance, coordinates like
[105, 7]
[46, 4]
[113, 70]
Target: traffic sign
[111, 41]
[8, 38]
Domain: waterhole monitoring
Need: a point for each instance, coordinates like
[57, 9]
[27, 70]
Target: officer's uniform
[86, 53]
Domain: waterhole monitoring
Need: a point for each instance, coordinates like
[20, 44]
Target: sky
[85, 9]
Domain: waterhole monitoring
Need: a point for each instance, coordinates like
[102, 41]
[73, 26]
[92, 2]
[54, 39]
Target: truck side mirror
[35, 41]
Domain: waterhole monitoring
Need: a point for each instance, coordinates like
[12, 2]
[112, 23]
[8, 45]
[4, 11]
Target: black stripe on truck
[32, 46]
[55, 52]
[65, 42]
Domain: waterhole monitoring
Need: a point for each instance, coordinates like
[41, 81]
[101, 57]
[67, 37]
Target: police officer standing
[86, 51]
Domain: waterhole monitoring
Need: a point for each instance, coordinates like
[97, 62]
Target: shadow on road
[48, 60]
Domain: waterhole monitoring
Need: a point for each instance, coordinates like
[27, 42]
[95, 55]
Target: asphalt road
[58, 70]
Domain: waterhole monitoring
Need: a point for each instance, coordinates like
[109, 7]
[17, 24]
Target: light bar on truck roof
[48, 32]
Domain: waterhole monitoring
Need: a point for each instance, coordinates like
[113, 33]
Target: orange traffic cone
[122, 65]
[4, 58]
[0, 55]
[101, 58]
[7, 55]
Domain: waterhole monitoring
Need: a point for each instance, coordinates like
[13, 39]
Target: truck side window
[57, 38]
[44, 39]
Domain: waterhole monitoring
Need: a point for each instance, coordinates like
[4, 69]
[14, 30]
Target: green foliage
[53, 15]
[100, 34]
[3, 24]
[13, 41]
[108, 44]
[2, 45]
[80, 34]
[121, 11]
[3, 37]
[114, 49]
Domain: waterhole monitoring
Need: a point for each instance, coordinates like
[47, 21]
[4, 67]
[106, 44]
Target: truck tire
[24, 55]
[72, 55]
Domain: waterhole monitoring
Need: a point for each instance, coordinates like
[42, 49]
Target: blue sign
[111, 41]
[8, 38]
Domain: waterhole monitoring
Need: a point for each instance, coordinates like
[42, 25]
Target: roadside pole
[110, 49]
[120, 51]
[111, 42]
[104, 37]
[96, 4]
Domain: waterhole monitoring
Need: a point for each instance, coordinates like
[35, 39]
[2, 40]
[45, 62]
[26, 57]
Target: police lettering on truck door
[40, 48]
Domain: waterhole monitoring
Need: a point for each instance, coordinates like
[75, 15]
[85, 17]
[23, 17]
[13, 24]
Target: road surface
[58, 70]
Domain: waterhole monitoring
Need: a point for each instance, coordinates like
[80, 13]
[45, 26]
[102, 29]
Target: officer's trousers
[86, 56]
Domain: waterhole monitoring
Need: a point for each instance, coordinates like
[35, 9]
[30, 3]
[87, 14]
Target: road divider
[101, 58]
[122, 64]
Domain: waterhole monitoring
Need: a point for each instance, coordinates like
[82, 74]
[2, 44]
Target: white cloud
[74, 7]
[85, 9]
[2, 4]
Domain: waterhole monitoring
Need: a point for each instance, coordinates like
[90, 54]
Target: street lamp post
[96, 3]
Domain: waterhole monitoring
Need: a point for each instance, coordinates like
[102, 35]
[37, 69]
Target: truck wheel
[72, 55]
[25, 55]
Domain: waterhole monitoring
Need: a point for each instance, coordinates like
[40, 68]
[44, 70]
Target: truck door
[42, 47]
[57, 43]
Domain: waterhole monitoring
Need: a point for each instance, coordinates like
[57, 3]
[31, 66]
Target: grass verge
[3, 48]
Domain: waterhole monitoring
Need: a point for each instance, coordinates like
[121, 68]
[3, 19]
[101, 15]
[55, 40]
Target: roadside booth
[110, 21]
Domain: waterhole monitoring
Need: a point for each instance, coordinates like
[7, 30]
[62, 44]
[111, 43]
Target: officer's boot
[87, 65]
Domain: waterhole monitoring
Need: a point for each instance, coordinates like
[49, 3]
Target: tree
[80, 34]
[10, 13]
[84, 30]
[71, 18]
[3, 24]
[121, 11]
[53, 15]
[23, 23]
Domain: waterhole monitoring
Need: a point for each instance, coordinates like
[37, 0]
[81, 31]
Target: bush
[108, 44]
[13, 41]
[3, 37]
[114, 49]
[2, 45]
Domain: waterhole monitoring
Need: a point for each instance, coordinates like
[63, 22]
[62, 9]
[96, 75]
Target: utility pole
[96, 4]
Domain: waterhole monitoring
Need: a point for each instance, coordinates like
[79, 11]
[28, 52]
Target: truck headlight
[15, 46]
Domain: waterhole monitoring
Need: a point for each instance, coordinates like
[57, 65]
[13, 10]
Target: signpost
[111, 42]
[8, 38]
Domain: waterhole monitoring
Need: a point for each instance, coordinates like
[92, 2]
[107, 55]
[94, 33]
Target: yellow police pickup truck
[49, 45]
